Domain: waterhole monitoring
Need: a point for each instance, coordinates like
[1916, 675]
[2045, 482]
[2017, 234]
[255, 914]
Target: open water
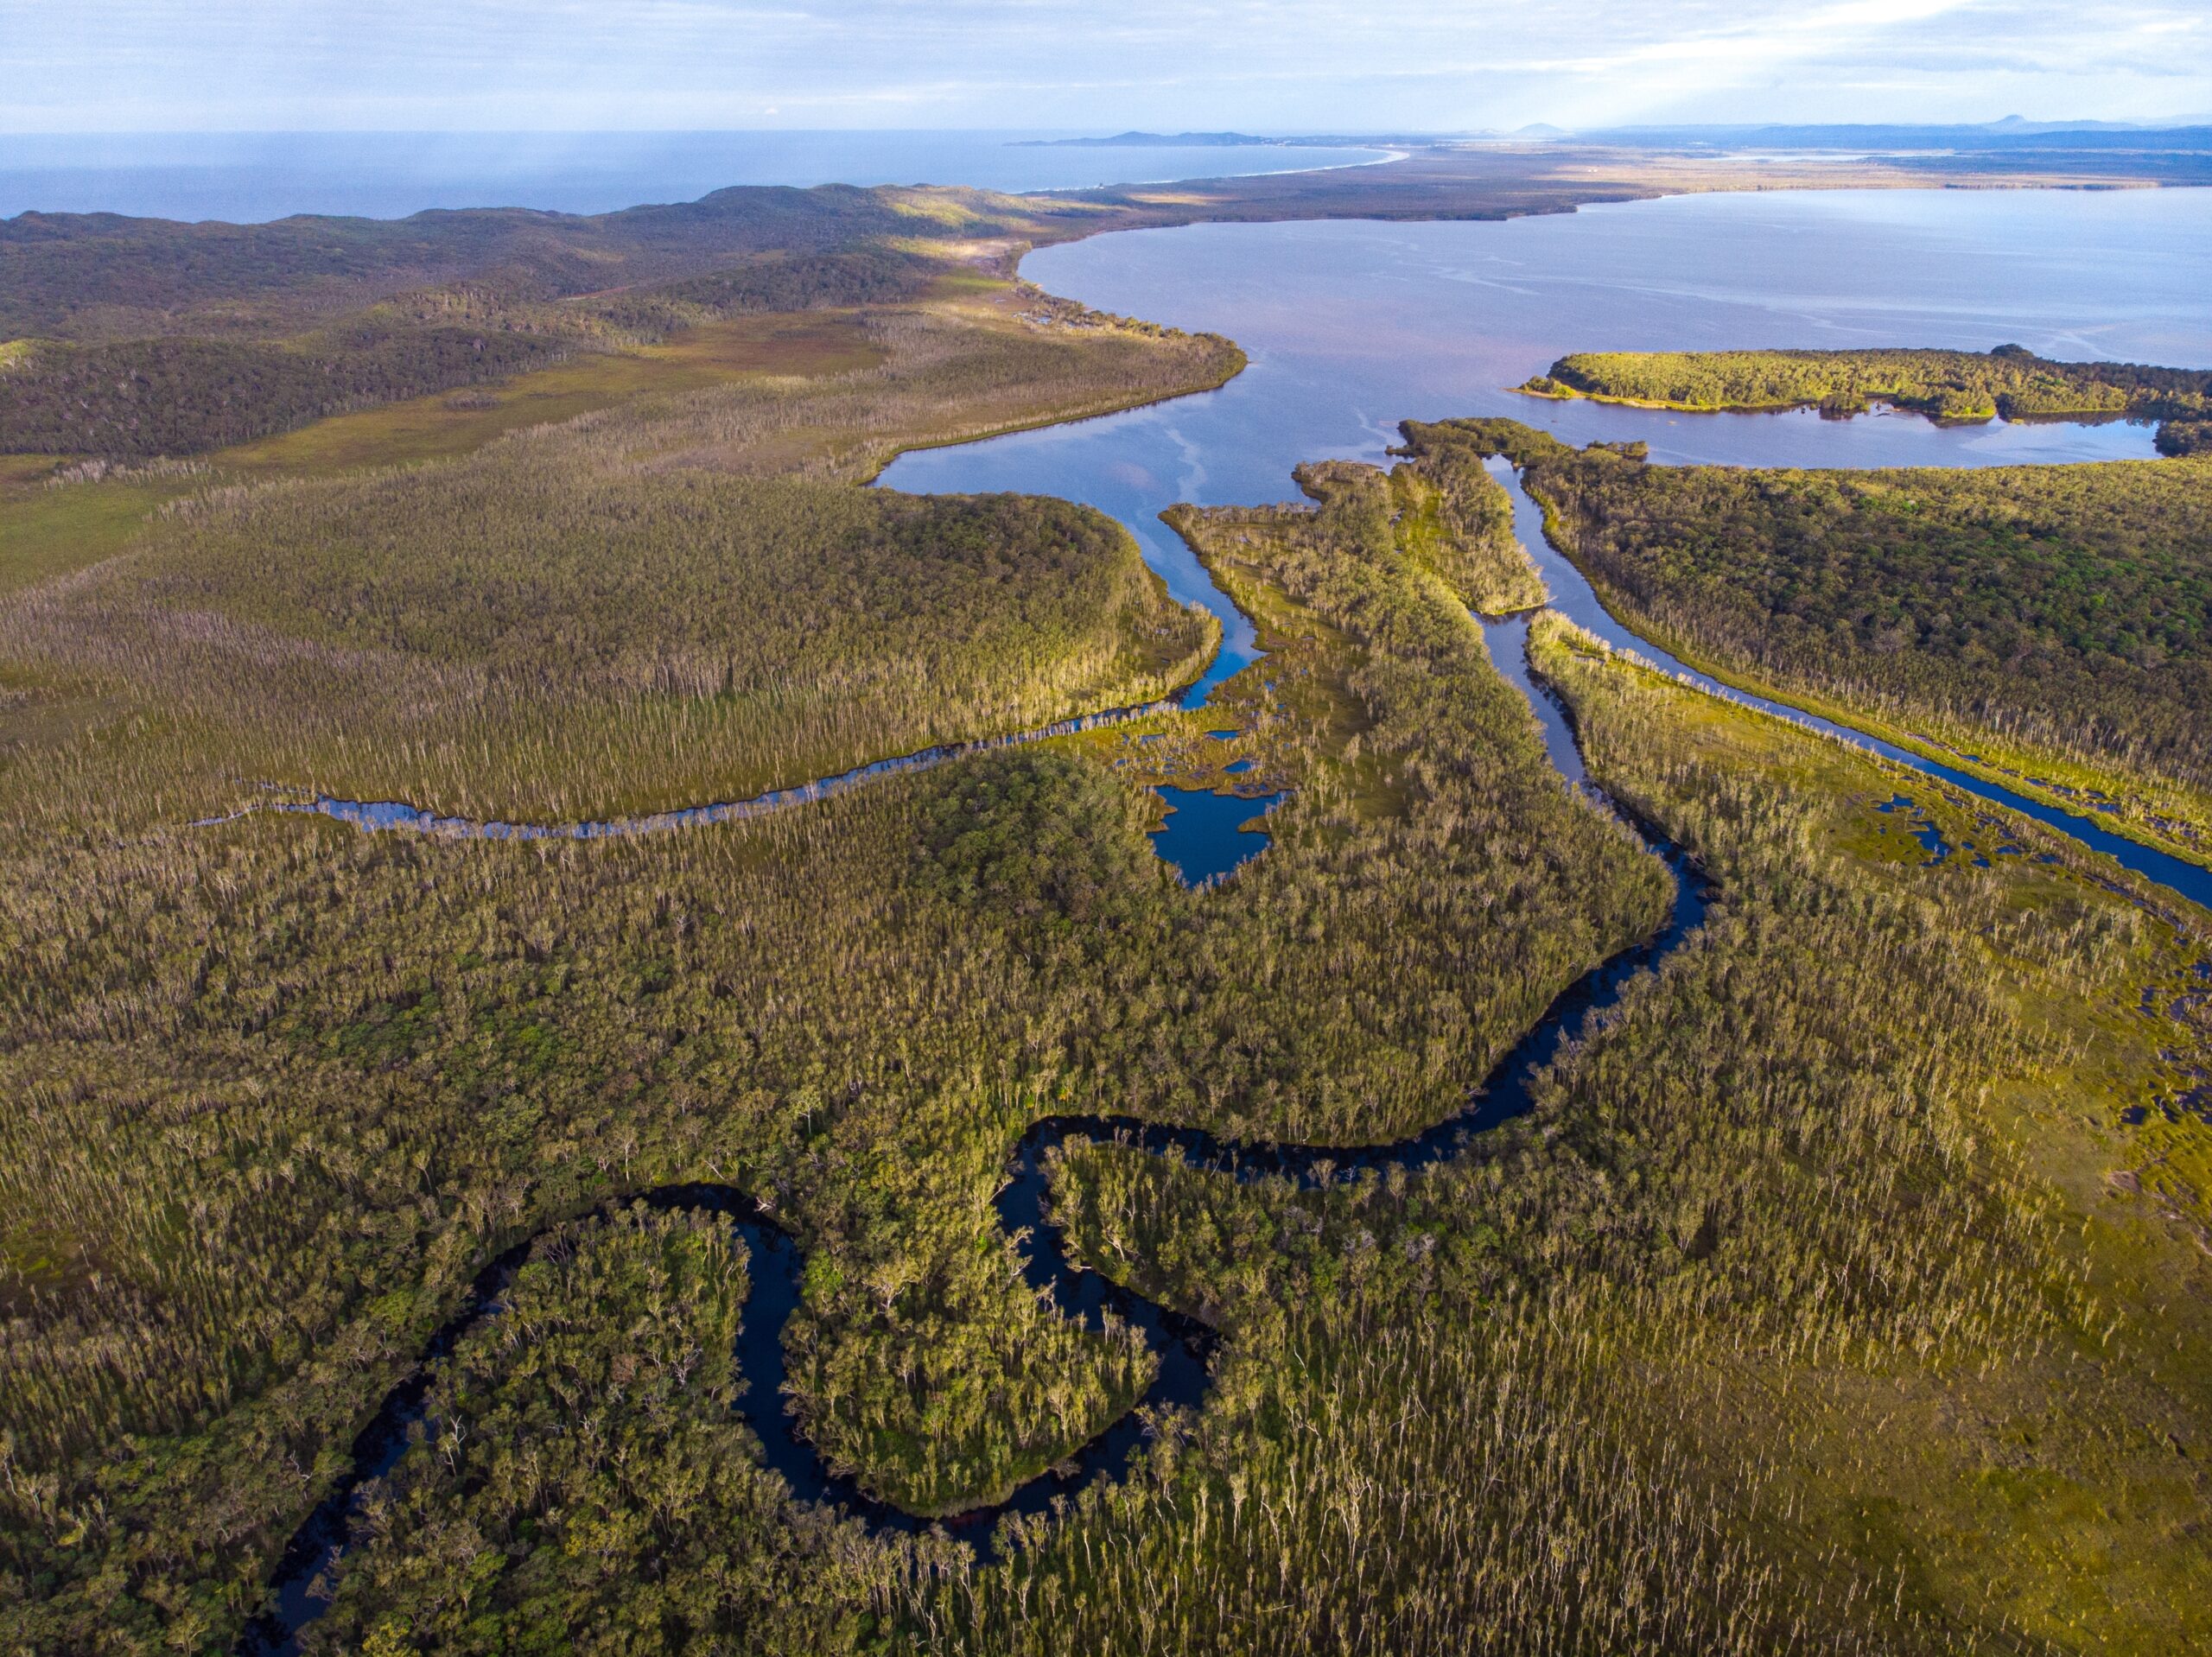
[249, 177]
[1352, 327]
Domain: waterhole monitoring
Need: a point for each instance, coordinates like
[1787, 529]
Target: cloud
[1301, 64]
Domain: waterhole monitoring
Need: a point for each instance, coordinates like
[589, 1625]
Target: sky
[1287, 65]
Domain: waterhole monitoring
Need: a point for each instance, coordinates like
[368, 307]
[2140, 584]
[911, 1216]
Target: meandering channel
[1182, 1346]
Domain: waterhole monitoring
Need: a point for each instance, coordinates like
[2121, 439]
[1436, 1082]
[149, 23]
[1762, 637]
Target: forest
[174, 397]
[1863, 1241]
[2010, 381]
[2050, 620]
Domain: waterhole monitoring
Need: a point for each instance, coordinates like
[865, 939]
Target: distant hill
[1151, 140]
[2011, 135]
[99, 275]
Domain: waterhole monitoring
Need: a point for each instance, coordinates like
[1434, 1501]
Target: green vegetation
[2055, 621]
[52, 522]
[101, 277]
[809, 345]
[1864, 1242]
[510, 637]
[581, 1479]
[1965, 385]
[167, 339]
[1458, 519]
[182, 397]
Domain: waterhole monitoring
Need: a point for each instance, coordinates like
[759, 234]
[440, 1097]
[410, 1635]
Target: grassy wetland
[683, 596]
[1865, 1240]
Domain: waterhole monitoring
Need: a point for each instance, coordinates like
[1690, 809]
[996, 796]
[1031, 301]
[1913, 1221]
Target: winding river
[1182, 1346]
[1350, 328]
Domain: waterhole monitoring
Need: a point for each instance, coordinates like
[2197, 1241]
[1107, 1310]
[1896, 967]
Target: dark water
[1353, 326]
[1508, 640]
[1183, 1347]
[1205, 837]
[1906, 810]
[246, 177]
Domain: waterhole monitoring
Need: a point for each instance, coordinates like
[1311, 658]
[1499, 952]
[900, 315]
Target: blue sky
[1300, 66]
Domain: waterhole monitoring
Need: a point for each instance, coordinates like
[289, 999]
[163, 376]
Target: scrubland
[685, 597]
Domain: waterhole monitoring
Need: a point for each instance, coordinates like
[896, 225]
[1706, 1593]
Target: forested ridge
[93, 275]
[133, 338]
[172, 395]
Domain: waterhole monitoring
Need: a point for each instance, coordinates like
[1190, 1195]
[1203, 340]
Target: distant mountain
[1151, 140]
[2011, 135]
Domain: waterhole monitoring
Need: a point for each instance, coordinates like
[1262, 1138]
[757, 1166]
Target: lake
[1354, 326]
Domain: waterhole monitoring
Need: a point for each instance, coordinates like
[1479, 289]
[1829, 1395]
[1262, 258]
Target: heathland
[2051, 625]
[1863, 1242]
[686, 596]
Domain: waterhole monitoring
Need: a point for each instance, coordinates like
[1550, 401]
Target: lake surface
[1352, 327]
[249, 177]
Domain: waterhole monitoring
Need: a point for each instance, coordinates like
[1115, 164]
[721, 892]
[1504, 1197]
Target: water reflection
[1352, 327]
